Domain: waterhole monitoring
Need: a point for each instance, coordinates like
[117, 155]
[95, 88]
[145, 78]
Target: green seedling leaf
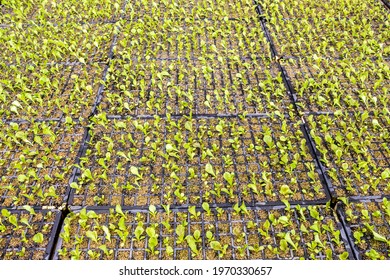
[373, 254]
[5, 213]
[118, 209]
[219, 128]
[74, 185]
[107, 232]
[29, 209]
[192, 244]
[92, 214]
[268, 140]
[285, 190]
[138, 232]
[25, 222]
[210, 170]
[38, 238]
[283, 245]
[180, 231]
[216, 246]
[134, 171]
[105, 250]
[169, 148]
[120, 125]
[122, 224]
[152, 210]
[344, 256]
[14, 109]
[22, 178]
[92, 235]
[287, 237]
[13, 220]
[17, 104]
[376, 235]
[68, 120]
[229, 177]
[151, 232]
[188, 126]
[206, 207]
[192, 210]
[385, 174]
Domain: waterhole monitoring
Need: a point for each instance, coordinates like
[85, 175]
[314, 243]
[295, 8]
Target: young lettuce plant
[152, 241]
[217, 247]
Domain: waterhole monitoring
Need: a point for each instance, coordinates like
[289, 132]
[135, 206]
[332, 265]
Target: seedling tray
[292, 37]
[367, 225]
[49, 91]
[217, 39]
[164, 161]
[354, 152]
[83, 12]
[266, 232]
[304, 8]
[319, 86]
[7, 14]
[71, 42]
[27, 236]
[178, 87]
[38, 12]
[36, 160]
[295, 31]
[197, 9]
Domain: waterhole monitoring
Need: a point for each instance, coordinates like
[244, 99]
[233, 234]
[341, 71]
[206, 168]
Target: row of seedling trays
[260, 160]
[239, 232]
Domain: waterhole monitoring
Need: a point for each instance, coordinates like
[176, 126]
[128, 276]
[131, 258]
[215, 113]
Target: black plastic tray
[11, 242]
[61, 146]
[339, 188]
[242, 166]
[71, 103]
[192, 93]
[368, 241]
[227, 228]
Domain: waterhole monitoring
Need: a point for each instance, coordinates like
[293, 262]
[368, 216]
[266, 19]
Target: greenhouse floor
[194, 129]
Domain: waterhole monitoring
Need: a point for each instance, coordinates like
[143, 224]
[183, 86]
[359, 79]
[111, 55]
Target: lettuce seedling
[344, 256]
[153, 240]
[38, 238]
[373, 255]
[167, 209]
[229, 177]
[268, 140]
[92, 235]
[385, 174]
[376, 235]
[118, 209]
[216, 246]
[194, 214]
[206, 207]
[285, 190]
[237, 209]
[107, 232]
[105, 250]
[76, 187]
[192, 244]
[210, 170]
[288, 239]
[75, 253]
[152, 210]
[244, 210]
[209, 236]
[134, 171]
[139, 230]
[180, 231]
